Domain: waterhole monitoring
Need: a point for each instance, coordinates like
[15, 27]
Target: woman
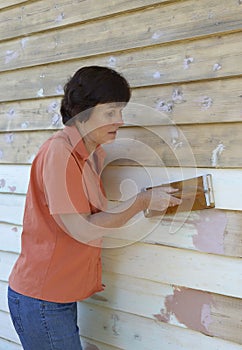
[65, 214]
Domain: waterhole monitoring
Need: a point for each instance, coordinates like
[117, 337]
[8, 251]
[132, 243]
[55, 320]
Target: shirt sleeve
[62, 177]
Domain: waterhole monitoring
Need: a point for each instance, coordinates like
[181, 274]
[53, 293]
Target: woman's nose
[119, 119]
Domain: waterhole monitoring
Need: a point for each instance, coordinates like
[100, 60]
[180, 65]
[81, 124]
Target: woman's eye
[111, 114]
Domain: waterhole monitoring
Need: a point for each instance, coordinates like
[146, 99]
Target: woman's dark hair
[89, 87]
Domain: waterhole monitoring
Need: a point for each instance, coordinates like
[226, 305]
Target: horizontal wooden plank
[123, 182]
[211, 231]
[10, 237]
[44, 15]
[30, 115]
[21, 147]
[211, 273]
[150, 299]
[207, 102]
[155, 300]
[14, 178]
[199, 102]
[202, 145]
[160, 64]
[131, 332]
[7, 260]
[145, 26]
[214, 231]
[126, 181]
[12, 208]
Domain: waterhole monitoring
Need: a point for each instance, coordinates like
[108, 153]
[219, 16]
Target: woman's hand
[160, 198]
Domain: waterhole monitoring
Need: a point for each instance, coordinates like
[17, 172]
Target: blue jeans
[44, 325]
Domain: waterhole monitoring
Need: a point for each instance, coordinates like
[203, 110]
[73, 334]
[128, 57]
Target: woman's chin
[111, 137]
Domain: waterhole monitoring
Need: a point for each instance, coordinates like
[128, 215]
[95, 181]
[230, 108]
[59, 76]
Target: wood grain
[201, 145]
[156, 65]
[200, 102]
[216, 274]
[191, 19]
[46, 15]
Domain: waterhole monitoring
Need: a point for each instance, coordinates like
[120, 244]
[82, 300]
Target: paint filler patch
[191, 308]
[216, 154]
[211, 228]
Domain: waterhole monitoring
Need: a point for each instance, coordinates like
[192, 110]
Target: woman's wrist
[144, 200]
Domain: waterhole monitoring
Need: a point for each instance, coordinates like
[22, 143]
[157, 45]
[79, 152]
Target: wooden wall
[179, 286]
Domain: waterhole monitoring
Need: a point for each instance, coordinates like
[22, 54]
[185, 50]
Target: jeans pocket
[14, 304]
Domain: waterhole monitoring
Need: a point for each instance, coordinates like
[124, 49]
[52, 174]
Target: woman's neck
[90, 144]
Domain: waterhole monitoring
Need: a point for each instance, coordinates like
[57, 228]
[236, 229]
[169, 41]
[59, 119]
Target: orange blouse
[52, 265]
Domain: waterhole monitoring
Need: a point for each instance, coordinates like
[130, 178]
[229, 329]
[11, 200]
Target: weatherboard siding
[172, 283]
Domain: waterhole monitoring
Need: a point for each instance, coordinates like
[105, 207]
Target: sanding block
[196, 194]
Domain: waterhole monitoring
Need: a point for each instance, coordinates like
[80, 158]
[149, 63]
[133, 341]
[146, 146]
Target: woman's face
[104, 121]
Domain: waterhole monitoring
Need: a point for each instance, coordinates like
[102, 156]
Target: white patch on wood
[12, 188]
[156, 35]
[25, 125]
[216, 153]
[53, 107]
[206, 316]
[112, 61]
[157, 75]
[176, 144]
[173, 320]
[11, 113]
[187, 62]
[23, 42]
[42, 75]
[10, 55]
[164, 106]
[40, 93]
[1, 154]
[55, 119]
[210, 14]
[115, 327]
[9, 138]
[177, 96]
[175, 141]
[207, 102]
[59, 90]
[60, 17]
[2, 183]
[216, 67]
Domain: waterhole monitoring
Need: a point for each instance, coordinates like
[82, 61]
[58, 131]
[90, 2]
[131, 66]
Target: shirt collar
[78, 145]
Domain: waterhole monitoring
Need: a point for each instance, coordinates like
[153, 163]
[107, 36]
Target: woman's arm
[87, 227]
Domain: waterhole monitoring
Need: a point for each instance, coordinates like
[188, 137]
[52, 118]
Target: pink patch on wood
[191, 308]
[14, 229]
[12, 188]
[2, 183]
[210, 228]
